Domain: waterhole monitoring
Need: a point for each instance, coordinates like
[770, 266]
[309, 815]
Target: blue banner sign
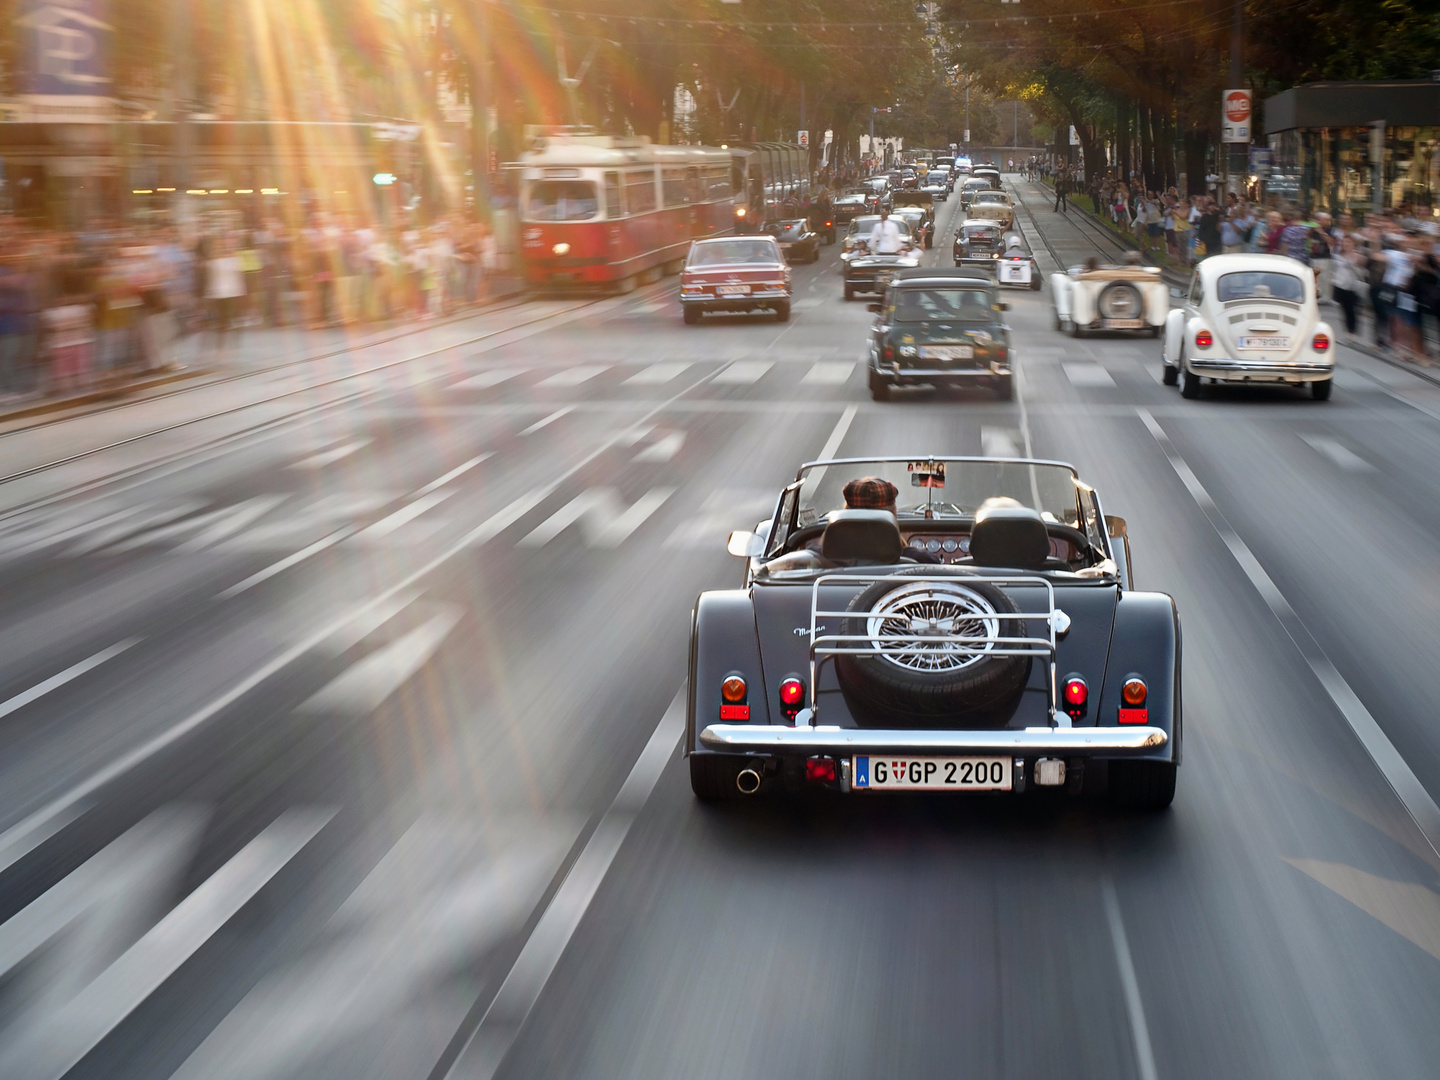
[67, 52]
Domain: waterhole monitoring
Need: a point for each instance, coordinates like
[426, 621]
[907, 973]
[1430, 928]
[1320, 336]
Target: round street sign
[1237, 106]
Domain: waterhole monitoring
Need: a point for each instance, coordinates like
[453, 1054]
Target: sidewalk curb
[108, 392]
[1371, 351]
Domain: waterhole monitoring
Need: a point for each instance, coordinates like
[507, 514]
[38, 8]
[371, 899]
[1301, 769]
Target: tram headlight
[561, 248]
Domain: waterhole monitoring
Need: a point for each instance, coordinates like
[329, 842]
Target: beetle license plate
[931, 773]
[1266, 342]
[947, 352]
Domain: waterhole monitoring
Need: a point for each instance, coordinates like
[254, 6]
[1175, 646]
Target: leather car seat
[1010, 535]
[862, 536]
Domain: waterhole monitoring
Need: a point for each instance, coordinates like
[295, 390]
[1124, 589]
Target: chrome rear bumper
[1031, 742]
[1241, 370]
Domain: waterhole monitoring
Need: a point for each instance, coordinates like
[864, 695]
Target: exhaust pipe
[748, 781]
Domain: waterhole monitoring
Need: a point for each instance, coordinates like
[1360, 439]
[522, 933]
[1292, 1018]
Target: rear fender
[1174, 333]
[722, 641]
[1146, 642]
[1060, 290]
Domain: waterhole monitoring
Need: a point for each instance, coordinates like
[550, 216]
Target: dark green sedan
[940, 327]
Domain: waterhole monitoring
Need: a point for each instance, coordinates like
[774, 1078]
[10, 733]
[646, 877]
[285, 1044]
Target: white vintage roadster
[1110, 298]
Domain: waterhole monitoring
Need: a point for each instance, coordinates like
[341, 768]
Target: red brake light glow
[1076, 695]
[820, 770]
[1203, 339]
[792, 697]
[1321, 342]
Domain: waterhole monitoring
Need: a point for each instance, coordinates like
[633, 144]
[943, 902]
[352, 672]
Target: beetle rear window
[1260, 284]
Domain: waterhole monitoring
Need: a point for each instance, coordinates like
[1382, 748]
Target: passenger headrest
[1010, 535]
[871, 535]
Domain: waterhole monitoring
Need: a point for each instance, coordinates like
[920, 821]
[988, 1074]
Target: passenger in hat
[877, 493]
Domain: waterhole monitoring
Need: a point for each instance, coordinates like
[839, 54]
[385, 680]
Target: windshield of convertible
[1260, 284]
[913, 305]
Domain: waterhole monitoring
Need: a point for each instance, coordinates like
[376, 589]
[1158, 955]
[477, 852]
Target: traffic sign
[1235, 116]
[804, 138]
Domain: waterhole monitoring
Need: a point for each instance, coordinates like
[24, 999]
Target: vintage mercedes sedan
[942, 328]
[993, 206]
[923, 624]
[1102, 297]
[1249, 319]
[735, 273]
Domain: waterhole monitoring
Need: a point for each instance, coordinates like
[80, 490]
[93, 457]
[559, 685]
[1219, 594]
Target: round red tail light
[792, 692]
[1321, 342]
[1203, 339]
[1134, 692]
[1076, 692]
[733, 689]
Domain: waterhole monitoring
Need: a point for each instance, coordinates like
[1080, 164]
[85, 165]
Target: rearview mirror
[1115, 526]
[873, 307]
[745, 545]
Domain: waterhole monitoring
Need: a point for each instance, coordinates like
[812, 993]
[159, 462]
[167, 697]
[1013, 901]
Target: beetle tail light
[1203, 339]
[1076, 696]
[1321, 342]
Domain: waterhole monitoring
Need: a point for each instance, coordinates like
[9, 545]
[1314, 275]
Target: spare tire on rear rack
[957, 680]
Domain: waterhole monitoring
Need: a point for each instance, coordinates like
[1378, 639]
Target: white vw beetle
[1096, 297]
[1249, 319]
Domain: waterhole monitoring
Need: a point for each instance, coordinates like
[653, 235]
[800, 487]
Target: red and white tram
[616, 210]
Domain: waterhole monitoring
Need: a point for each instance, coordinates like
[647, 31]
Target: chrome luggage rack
[930, 650]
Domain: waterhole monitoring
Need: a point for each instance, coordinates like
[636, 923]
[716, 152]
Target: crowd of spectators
[81, 309]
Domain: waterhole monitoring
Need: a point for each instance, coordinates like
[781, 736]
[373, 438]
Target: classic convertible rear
[978, 634]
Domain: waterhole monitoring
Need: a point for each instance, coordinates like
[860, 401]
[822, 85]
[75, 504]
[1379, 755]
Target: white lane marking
[364, 686]
[406, 514]
[546, 421]
[662, 449]
[605, 520]
[1129, 984]
[367, 622]
[208, 529]
[1408, 789]
[1339, 454]
[285, 563]
[497, 1029]
[329, 457]
[74, 671]
[574, 376]
[655, 374]
[47, 1050]
[999, 442]
[1410, 909]
[744, 372]
[1081, 374]
[486, 379]
[829, 372]
[459, 470]
[449, 890]
[722, 511]
[150, 518]
[652, 307]
[837, 434]
[48, 819]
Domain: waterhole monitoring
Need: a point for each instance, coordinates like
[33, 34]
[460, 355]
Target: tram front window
[562, 200]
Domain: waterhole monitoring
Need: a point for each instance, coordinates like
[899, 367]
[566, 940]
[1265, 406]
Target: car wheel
[1076, 330]
[712, 777]
[782, 312]
[1189, 383]
[849, 293]
[1141, 785]
[1005, 388]
[1155, 331]
[893, 691]
[1035, 283]
[879, 387]
[1170, 374]
[1320, 389]
[692, 316]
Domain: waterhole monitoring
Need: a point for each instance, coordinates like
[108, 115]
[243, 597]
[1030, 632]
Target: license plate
[732, 290]
[1016, 272]
[931, 773]
[947, 352]
[1264, 342]
[1124, 324]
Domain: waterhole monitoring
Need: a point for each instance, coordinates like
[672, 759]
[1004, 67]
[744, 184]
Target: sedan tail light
[1203, 339]
[1321, 342]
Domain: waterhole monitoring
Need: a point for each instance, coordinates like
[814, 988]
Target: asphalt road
[339, 734]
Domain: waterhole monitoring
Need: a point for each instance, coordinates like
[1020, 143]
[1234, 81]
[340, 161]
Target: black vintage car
[797, 241]
[978, 245]
[942, 328]
[969, 187]
[920, 202]
[855, 203]
[979, 632]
